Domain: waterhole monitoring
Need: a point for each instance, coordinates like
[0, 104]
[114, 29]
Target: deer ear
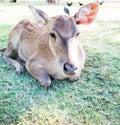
[39, 15]
[86, 14]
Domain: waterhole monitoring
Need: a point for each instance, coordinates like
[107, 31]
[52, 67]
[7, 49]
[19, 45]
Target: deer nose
[69, 69]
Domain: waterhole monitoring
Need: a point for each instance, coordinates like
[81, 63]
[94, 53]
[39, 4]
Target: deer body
[49, 48]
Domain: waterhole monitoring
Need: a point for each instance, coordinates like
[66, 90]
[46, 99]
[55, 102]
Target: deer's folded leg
[37, 71]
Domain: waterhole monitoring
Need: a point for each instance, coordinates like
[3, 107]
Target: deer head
[63, 33]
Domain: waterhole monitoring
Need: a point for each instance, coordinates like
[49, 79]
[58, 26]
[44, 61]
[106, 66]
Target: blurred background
[18, 10]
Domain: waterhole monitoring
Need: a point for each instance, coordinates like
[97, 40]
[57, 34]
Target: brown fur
[49, 49]
[53, 1]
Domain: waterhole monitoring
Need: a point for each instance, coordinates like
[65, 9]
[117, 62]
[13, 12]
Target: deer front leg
[37, 71]
[7, 57]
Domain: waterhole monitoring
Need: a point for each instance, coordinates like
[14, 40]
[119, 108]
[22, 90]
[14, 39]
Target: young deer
[50, 48]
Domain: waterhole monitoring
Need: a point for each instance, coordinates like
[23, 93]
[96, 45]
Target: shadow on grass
[24, 100]
[19, 94]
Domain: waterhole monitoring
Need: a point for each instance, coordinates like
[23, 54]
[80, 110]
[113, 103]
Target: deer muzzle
[69, 69]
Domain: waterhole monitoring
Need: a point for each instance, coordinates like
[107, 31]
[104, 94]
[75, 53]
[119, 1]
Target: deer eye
[53, 35]
[77, 34]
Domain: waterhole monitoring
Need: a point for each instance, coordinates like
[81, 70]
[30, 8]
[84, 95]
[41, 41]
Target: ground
[92, 100]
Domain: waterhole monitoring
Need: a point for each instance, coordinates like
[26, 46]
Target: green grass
[93, 100]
